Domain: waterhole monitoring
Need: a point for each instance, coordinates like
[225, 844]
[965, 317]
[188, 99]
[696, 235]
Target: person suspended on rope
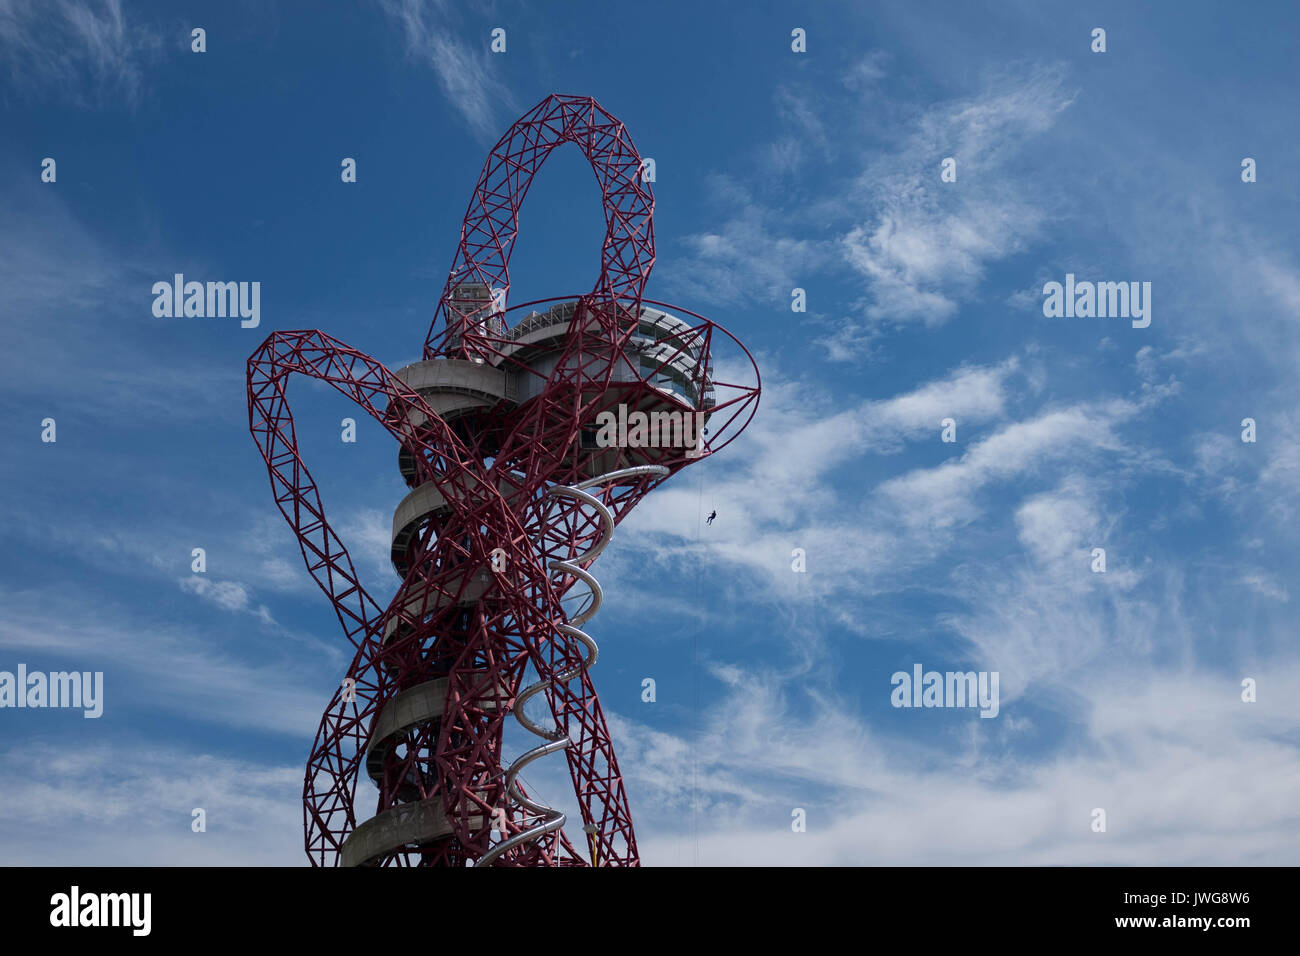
[712, 515]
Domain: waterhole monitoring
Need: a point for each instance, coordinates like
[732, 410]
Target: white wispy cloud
[1060, 523]
[56, 268]
[227, 595]
[805, 132]
[779, 486]
[174, 668]
[466, 75]
[926, 244]
[131, 803]
[84, 52]
[867, 71]
[921, 246]
[1186, 771]
[748, 257]
[944, 495]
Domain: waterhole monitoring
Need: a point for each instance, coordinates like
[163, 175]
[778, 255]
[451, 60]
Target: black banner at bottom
[130, 905]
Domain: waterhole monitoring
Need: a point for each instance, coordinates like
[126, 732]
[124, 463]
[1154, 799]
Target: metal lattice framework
[511, 499]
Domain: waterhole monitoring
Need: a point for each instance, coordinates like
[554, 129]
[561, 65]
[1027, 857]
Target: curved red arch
[492, 220]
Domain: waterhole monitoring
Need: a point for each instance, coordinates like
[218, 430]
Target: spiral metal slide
[556, 740]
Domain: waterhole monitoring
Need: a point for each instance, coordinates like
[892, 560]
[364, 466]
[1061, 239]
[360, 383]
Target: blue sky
[775, 170]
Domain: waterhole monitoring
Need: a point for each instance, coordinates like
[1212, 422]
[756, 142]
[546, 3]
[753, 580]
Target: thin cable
[695, 677]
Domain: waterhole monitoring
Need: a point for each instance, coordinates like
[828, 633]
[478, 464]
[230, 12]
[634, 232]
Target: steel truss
[493, 429]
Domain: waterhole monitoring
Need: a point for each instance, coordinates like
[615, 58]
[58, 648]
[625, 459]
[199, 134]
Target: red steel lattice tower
[514, 492]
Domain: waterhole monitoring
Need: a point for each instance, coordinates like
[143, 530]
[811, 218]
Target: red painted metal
[492, 469]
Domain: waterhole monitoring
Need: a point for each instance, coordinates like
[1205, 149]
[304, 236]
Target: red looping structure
[492, 220]
[516, 485]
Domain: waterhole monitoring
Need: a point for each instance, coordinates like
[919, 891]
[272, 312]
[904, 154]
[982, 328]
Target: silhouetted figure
[712, 515]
